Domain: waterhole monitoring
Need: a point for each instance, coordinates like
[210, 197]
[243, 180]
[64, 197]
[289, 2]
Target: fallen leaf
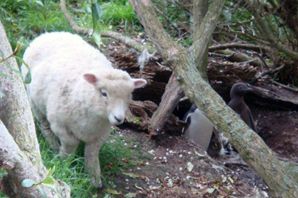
[27, 183]
[112, 191]
[132, 175]
[189, 166]
[130, 195]
[210, 190]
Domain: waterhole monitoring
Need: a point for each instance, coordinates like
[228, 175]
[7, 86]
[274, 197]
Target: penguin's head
[240, 89]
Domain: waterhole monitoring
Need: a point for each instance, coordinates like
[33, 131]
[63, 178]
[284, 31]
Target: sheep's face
[115, 89]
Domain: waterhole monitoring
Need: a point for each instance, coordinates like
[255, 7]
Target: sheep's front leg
[45, 128]
[47, 133]
[92, 162]
[69, 143]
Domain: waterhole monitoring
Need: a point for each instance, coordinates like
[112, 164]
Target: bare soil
[279, 129]
[173, 167]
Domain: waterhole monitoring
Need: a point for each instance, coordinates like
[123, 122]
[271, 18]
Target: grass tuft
[115, 156]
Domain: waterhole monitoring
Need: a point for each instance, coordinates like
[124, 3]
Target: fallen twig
[269, 72]
[284, 86]
[246, 46]
[115, 35]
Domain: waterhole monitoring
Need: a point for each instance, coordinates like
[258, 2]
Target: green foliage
[2, 195]
[114, 156]
[117, 13]
[2, 174]
[176, 19]
[25, 19]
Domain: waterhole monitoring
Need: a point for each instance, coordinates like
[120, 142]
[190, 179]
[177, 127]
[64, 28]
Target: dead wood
[247, 46]
[267, 31]
[169, 101]
[241, 57]
[115, 35]
[275, 96]
[277, 174]
[221, 74]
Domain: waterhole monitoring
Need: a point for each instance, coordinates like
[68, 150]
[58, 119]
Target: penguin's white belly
[200, 129]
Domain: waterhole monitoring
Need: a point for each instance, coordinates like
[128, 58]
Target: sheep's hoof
[62, 154]
[97, 183]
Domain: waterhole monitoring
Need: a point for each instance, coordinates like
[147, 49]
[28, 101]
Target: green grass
[117, 14]
[115, 157]
[26, 19]
[23, 20]
[2, 173]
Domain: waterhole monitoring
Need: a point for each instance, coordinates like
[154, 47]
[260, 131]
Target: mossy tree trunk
[19, 149]
[279, 176]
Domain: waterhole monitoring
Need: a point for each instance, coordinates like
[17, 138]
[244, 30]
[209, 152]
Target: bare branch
[127, 41]
[13, 159]
[205, 30]
[156, 32]
[71, 22]
[170, 99]
[266, 73]
[251, 147]
[246, 46]
[115, 35]
[256, 9]
[199, 11]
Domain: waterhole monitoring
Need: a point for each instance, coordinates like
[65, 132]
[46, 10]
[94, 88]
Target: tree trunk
[279, 176]
[169, 101]
[23, 149]
[199, 11]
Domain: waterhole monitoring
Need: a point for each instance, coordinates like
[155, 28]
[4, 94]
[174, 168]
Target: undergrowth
[26, 19]
[115, 156]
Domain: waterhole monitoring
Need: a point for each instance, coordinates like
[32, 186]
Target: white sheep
[76, 94]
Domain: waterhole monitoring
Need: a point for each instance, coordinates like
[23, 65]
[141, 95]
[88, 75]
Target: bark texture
[169, 101]
[199, 11]
[22, 146]
[279, 176]
[266, 30]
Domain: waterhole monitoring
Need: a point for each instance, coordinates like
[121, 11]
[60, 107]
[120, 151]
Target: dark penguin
[238, 104]
[200, 130]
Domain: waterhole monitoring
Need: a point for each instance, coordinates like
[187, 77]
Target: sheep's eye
[103, 93]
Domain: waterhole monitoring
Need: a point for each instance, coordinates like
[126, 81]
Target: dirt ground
[279, 129]
[173, 167]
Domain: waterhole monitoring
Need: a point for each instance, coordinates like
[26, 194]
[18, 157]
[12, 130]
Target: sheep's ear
[139, 82]
[90, 78]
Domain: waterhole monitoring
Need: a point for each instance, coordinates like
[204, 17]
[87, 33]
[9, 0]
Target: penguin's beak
[250, 88]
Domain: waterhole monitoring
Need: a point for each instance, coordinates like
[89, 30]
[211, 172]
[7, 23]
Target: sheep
[76, 95]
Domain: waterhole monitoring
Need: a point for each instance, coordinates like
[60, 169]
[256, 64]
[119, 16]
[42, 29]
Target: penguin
[238, 104]
[200, 130]
[198, 127]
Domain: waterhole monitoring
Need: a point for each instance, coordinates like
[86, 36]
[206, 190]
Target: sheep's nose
[119, 119]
